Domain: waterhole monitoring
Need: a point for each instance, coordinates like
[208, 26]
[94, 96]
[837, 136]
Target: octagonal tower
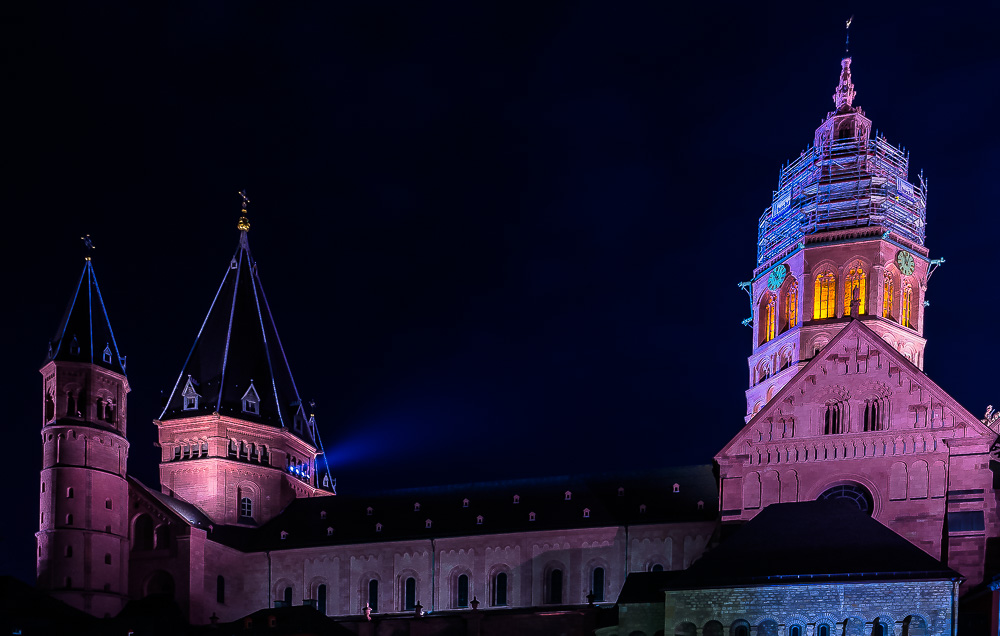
[843, 238]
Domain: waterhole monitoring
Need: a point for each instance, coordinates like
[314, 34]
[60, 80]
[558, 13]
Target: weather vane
[244, 224]
[847, 40]
[87, 245]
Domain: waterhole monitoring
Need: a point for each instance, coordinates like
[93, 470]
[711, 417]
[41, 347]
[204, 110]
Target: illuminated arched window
[855, 281]
[792, 305]
[887, 295]
[906, 308]
[825, 296]
[767, 316]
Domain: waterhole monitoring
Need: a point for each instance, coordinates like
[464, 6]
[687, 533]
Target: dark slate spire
[84, 334]
[237, 366]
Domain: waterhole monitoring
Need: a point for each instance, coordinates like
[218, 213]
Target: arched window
[462, 591]
[321, 599]
[555, 586]
[597, 584]
[107, 558]
[879, 628]
[220, 589]
[833, 419]
[874, 415]
[656, 568]
[906, 308]
[288, 596]
[161, 537]
[246, 508]
[888, 292]
[794, 630]
[767, 317]
[742, 628]
[713, 628]
[373, 594]
[823, 630]
[792, 305]
[142, 534]
[855, 280]
[69, 492]
[410, 594]
[824, 299]
[499, 598]
[69, 551]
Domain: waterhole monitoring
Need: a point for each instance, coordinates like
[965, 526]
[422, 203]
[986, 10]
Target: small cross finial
[88, 245]
[244, 224]
[847, 40]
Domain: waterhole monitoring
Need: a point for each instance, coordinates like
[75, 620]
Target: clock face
[905, 262]
[776, 277]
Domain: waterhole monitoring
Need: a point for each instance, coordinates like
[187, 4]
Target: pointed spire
[844, 96]
[84, 333]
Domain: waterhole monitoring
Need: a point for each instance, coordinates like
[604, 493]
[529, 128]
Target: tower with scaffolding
[843, 238]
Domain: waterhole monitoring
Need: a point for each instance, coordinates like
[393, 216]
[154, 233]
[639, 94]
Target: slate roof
[238, 348]
[817, 541]
[306, 526]
[84, 334]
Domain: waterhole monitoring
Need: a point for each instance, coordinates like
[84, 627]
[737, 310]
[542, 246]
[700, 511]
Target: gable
[857, 371]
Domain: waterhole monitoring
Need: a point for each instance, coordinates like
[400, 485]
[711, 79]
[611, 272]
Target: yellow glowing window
[767, 326]
[792, 305]
[855, 280]
[887, 294]
[825, 296]
[907, 307]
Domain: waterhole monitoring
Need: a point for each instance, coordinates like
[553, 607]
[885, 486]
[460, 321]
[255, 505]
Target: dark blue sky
[498, 240]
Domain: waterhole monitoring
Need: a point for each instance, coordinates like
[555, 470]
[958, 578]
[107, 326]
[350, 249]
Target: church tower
[843, 238]
[235, 437]
[82, 527]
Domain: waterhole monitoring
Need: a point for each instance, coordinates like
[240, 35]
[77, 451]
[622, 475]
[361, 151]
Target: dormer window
[284, 535]
[322, 514]
[107, 354]
[427, 524]
[370, 510]
[190, 395]
[621, 491]
[568, 495]
[465, 503]
[378, 527]
[74, 347]
[479, 520]
[701, 505]
[251, 401]
[517, 499]
[677, 488]
[531, 516]
[416, 507]
[329, 532]
[642, 509]
[586, 513]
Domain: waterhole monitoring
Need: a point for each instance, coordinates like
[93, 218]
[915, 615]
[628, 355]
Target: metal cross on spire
[847, 40]
[244, 224]
[87, 245]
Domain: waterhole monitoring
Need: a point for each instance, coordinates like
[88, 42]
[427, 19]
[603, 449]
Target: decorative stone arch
[885, 620]
[312, 588]
[762, 370]
[713, 628]
[830, 621]
[685, 628]
[401, 578]
[491, 585]
[785, 357]
[162, 536]
[915, 625]
[818, 344]
[364, 586]
[808, 289]
[659, 560]
[853, 626]
[767, 317]
[453, 587]
[554, 592]
[593, 564]
[740, 627]
[278, 589]
[142, 531]
[850, 479]
[789, 286]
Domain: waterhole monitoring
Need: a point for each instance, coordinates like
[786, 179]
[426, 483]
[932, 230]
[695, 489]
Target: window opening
[500, 589]
[220, 589]
[597, 584]
[555, 586]
[833, 419]
[906, 310]
[855, 280]
[246, 508]
[792, 305]
[767, 319]
[462, 599]
[824, 296]
[251, 401]
[321, 599]
[410, 594]
[373, 595]
[887, 295]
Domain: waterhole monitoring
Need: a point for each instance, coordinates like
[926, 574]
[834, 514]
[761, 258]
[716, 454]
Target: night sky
[498, 240]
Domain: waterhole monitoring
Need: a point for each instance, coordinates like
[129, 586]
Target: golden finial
[243, 225]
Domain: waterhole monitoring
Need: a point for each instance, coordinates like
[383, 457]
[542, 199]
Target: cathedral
[246, 515]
